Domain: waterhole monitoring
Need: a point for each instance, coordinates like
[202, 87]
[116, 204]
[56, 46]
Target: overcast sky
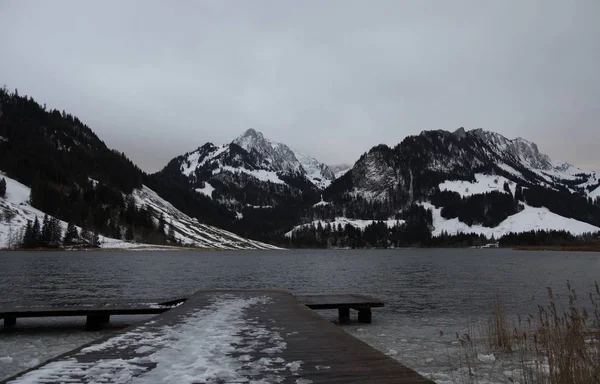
[156, 79]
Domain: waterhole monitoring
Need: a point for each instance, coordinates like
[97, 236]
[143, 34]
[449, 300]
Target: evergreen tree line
[413, 228]
[547, 238]
[488, 209]
[379, 235]
[46, 234]
[49, 234]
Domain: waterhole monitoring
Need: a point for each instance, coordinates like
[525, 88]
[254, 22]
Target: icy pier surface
[262, 336]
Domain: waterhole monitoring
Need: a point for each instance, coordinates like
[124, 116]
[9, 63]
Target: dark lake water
[426, 290]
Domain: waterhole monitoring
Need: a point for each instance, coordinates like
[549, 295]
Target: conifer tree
[55, 231]
[129, 235]
[36, 233]
[86, 235]
[28, 241]
[3, 187]
[71, 235]
[45, 233]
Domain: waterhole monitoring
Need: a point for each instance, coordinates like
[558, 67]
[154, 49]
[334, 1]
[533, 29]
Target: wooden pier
[231, 337]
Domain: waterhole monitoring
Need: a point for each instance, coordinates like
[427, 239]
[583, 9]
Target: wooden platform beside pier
[228, 337]
[343, 303]
[96, 313]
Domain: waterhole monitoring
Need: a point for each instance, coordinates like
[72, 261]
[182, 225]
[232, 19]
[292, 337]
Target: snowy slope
[483, 184]
[191, 232]
[318, 173]
[340, 169]
[356, 223]
[595, 193]
[16, 211]
[530, 219]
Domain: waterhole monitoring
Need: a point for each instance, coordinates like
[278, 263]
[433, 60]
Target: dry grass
[499, 336]
[558, 346]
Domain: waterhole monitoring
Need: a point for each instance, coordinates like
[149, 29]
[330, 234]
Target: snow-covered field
[483, 184]
[16, 211]
[530, 219]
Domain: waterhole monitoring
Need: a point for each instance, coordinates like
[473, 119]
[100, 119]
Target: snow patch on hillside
[483, 184]
[530, 219]
[510, 170]
[207, 190]
[194, 161]
[595, 193]
[343, 221]
[260, 174]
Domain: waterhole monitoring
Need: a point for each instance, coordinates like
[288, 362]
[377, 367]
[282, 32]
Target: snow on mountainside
[530, 219]
[455, 170]
[320, 174]
[343, 221]
[483, 184]
[275, 156]
[16, 211]
[433, 153]
[340, 169]
[254, 155]
[191, 232]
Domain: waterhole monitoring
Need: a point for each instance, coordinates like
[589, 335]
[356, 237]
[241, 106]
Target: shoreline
[559, 248]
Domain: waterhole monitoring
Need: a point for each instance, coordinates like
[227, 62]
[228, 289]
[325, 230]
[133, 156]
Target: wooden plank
[276, 339]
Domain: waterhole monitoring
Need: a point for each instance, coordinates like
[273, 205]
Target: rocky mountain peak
[251, 139]
[273, 156]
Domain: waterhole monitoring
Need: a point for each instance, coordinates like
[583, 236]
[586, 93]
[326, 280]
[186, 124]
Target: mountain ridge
[261, 189]
[56, 166]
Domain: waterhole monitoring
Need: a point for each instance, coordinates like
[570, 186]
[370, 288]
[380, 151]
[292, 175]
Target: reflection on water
[425, 290]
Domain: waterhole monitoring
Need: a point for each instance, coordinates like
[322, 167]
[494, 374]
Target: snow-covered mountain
[259, 185]
[251, 171]
[494, 183]
[440, 155]
[267, 154]
[16, 210]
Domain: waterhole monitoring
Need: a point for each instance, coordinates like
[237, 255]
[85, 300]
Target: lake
[430, 294]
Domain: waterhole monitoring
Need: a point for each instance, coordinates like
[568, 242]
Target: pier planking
[266, 335]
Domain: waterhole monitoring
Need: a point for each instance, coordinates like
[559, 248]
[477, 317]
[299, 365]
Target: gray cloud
[331, 78]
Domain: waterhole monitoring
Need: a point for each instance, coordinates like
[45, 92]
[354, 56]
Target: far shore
[157, 248]
[561, 248]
